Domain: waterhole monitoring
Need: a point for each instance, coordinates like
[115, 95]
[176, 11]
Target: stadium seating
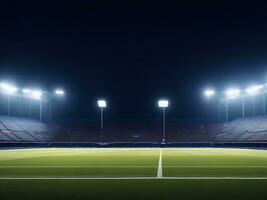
[252, 129]
[14, 129]
[17, 129]
[243, 130]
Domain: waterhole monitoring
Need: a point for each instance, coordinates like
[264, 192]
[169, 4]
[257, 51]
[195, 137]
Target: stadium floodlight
[26, 91]
[163, 103]
[8, 88]
[254, 90]
[101, 104]
[232, 93]
[209, 93]
[59, 92]
[36, 94]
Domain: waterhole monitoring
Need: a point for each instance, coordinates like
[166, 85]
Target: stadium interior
[17, 129]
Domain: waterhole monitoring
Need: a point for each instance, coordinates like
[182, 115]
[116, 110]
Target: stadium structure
[18, 130]
[131, 159]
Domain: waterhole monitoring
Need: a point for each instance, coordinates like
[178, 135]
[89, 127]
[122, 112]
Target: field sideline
[137, 172]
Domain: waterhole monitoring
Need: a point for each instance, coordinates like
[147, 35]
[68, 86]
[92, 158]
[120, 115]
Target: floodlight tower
[101, 104]
[27, 92]
[243, 106]
[253, 91]
[263, 103]
[163, 104]
[9, 90]
[231, 93]
[56, 93]
[37, 94]
[210, 93]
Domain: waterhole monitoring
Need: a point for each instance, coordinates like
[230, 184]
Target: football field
[133, 173]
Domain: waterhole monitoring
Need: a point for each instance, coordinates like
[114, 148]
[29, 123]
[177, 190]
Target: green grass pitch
[133, 173]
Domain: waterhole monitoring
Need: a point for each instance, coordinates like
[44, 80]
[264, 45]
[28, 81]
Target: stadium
[132, 157]
[157, 100]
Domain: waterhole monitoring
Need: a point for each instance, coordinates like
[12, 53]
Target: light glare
[254, 90]
[163, 103]
[209, 92]
[59, 92]
[8, 88]
[36, 94]
[232, 93]
[26, 91]
[102, 103]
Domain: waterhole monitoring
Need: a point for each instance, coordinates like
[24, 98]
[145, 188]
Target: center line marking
[159, 174]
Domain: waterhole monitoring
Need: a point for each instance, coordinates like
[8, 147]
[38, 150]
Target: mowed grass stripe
[135, 163]
[116, 157]
[214, 163]
[111, 163]
[78, 172]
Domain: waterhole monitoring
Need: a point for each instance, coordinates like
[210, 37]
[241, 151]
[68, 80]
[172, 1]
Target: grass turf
[133, 163]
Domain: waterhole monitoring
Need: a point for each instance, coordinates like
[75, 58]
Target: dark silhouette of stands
[252, 129]
[14, 129]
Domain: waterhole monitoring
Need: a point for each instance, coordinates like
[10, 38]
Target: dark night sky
[132, 54]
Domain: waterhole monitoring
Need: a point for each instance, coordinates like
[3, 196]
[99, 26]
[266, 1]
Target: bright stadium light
[36, 94]
[26, 91]
[101, 103]
[8, 88]
[209, 93]
[254, 90]
[232, 93]
[163, 103]
[59, 92]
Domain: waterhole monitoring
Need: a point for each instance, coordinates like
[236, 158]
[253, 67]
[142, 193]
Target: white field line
[81, 166]
[217, 166]
[136, 178]
[132, 166]
[159, 173]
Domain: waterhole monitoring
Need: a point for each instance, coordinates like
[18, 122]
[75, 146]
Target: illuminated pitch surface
[197, 173]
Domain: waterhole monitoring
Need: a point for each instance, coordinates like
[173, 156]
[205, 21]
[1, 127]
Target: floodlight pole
[164, 125]
[226, 110]
[40, 110]
[19, 106]
[263, 103]
[219, 110]
[253, 106]
[30, 107]
[50, 106]
[8, 105]
[101, 119]
[243, 106]
[50, 110]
